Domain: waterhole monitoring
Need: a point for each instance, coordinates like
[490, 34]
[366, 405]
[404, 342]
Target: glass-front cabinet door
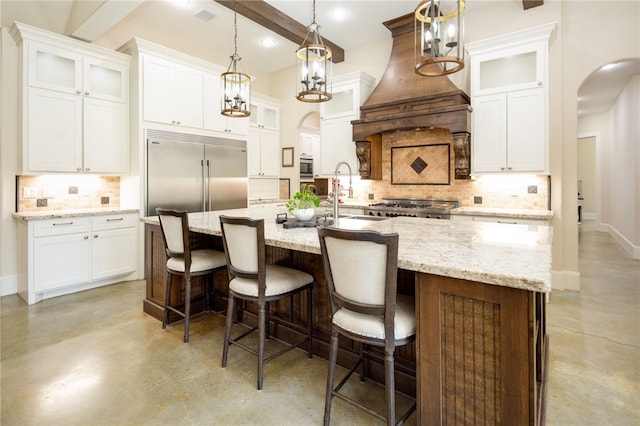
[264, 115]
[105, 80]
[55, 68]
[511, 70]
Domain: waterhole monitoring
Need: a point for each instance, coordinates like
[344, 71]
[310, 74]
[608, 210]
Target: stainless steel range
[412, 207]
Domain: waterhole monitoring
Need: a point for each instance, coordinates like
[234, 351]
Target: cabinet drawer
[62, 226]
[113, 221]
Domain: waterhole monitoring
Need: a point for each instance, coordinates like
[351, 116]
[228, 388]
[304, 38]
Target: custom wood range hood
[404, 100]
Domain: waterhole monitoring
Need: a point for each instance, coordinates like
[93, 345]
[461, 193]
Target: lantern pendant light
[439, 37]
[313, 68]
[235, 85]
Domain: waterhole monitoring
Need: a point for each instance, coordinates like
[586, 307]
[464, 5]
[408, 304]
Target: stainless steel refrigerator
[195, 173]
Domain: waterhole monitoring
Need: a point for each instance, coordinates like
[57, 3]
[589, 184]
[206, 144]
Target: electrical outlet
[104, 200]
[477, 200]
[532, 189]
[41, 202]
[371, 197]
[30, 192]
[73, 190]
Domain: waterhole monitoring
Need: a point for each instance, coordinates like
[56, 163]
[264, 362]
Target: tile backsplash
[66, 192]
[500, 190]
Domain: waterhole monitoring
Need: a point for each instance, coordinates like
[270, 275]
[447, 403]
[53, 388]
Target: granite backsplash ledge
[66, 192]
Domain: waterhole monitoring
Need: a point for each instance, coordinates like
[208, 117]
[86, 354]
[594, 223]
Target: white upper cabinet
[508, 131]
[336, 131]
[213, 120]
[263, 143]
[349, 92]
[509, 99]
[265, 115]
[75, 105]
[173, 93]
[518, 68]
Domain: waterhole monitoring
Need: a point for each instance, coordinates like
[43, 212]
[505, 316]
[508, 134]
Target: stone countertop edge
[508, 255]
[56, 214]
[502, 212]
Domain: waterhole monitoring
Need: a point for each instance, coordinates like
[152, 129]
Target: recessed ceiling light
[339, 14]
[267, 42]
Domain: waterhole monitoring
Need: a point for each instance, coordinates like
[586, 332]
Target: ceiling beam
[272, 19]
[528, 4]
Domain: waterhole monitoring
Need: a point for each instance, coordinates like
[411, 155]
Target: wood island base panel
[481, 347]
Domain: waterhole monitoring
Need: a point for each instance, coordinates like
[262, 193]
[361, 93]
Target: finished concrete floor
[94, 358]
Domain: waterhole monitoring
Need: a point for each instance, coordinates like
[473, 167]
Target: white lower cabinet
[113, 246]
[61, 256]
[61, 253]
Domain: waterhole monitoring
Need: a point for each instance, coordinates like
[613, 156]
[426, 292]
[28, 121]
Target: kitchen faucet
[336, 190]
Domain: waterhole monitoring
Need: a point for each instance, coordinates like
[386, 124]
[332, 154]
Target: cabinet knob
[86, 237]
[78, 169]
[78, 92]
[95, 235]
[87, 169]
[177, 122]
[539, 83]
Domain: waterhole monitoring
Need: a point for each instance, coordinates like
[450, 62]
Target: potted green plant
[303, 203]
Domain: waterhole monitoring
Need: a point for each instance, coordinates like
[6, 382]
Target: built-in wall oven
[306, 168]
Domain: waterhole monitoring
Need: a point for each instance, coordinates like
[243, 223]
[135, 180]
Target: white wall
[623, 164]
[8, 164]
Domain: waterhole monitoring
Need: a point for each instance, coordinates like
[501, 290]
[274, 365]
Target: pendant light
[235, 85]
[439, 37]
[313, 66]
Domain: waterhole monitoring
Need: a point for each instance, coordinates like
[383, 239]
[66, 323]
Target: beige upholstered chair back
[175, 231]
[358, 269]
[361, 270]
[242, 246]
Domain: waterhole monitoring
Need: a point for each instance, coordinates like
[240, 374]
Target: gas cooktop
[412, 207]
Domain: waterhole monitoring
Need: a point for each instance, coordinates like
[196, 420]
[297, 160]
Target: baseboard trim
[632, 250]
[565, 280]
[8, 285]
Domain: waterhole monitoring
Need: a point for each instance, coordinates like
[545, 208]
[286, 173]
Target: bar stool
[250, 278]
[361, 269]
[184, 262]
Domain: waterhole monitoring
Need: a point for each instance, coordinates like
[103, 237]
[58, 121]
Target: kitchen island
[480, 290]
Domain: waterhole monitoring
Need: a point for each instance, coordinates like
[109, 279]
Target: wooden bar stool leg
[309, 322]
[333, 356]
[187, 308]
[390, 386]
[261, 336]
[227, 331]
[167, 296]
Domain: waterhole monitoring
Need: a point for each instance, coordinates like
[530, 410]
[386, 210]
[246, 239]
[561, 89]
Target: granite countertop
[55, 214]
[502, 212]
[517, 256]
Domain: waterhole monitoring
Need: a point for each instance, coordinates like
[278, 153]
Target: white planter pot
[304, 214]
